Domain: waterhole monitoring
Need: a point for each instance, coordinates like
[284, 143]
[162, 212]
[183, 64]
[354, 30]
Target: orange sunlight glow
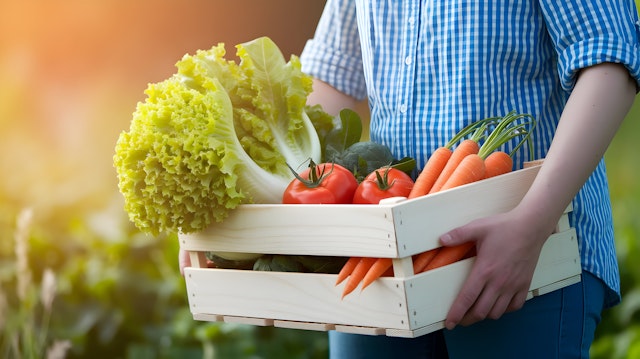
[72, 71]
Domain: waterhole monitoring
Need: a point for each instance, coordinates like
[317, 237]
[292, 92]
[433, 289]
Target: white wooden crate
[405, 305]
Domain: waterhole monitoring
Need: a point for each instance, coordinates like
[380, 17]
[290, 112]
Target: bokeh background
[75, 276]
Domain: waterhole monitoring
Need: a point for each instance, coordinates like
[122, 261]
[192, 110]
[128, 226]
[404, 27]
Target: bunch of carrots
[471, 155]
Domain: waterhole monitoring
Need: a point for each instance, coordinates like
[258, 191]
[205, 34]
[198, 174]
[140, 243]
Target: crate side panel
[419, 222]
[431, 294]
[298, 297]
[338, 230]
[559, 259]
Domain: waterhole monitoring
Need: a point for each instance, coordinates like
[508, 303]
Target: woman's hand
[508, 247]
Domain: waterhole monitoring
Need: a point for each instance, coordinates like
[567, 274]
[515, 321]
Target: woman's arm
[331, 100]
[508, 245]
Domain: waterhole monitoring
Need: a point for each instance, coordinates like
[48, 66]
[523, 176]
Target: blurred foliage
[618, 335]
[120, 295]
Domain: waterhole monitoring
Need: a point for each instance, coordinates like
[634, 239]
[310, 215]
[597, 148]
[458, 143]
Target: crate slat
[293, 296]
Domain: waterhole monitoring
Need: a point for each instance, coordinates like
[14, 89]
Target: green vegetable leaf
[344, 136]
[405, 164]
[215, 135]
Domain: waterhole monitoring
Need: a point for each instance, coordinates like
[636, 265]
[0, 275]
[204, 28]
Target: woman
[427, 69]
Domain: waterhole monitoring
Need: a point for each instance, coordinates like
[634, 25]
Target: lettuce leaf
[213, 136]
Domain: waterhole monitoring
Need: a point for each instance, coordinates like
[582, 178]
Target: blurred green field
[619, 333]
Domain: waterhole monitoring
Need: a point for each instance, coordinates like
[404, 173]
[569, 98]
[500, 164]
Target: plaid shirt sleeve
[334, 54]
[586, 33]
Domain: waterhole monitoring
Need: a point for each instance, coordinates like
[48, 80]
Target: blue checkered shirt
[428, 68]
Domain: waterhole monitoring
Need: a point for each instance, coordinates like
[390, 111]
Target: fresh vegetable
[347, 269]
[363, 158]
[232, 260]
[277, 263]
[470, 169]
[383, 183]
[497, 163]
[298, 263]
[439, 165]
[325, 183]
[464, 148]
[429, 174]
[377, 270]
[214, 135]
[343, 146]
[421, 260]
[448, 255]
[347, 132]
[358, 274]
[320, 264]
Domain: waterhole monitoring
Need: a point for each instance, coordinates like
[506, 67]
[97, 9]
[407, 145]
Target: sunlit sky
[72, 71]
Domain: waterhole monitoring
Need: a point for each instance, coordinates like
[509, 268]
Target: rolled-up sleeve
[334, 55]
[587, 33]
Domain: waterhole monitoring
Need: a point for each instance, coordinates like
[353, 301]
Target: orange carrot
[448, 255]
[465, 148]
[421, 260]
[347, 269]
[378, 268]
[469, 170]
[358, 274]
[497, 163]
[388, 272]
[432, 169]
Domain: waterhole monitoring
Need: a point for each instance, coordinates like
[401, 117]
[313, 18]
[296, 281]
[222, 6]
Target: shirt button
[407, 60]
[403, 108]
[411, 20]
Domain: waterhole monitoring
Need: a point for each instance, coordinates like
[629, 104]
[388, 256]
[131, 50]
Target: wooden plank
[262, 322]
[430, 294]
[299, 297]
[403, 267]
[557, 285]
[559, 260]
[394, 229]
[319, 327]
[208, 317]
[352, 329]
[415, 332]
[420, 221]
[301, 229]
[563, 224]
[198, 259]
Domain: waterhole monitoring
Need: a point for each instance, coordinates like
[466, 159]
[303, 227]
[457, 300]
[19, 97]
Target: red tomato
[325, 183]
[383, 183]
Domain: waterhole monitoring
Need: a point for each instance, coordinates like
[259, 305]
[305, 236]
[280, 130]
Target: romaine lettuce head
[214, 135]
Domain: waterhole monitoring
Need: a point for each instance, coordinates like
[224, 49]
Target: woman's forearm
[331, 100]
[597, 106]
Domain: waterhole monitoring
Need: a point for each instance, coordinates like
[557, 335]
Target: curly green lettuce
[213, 136]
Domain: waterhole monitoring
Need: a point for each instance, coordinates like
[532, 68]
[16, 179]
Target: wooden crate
[406, 305]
